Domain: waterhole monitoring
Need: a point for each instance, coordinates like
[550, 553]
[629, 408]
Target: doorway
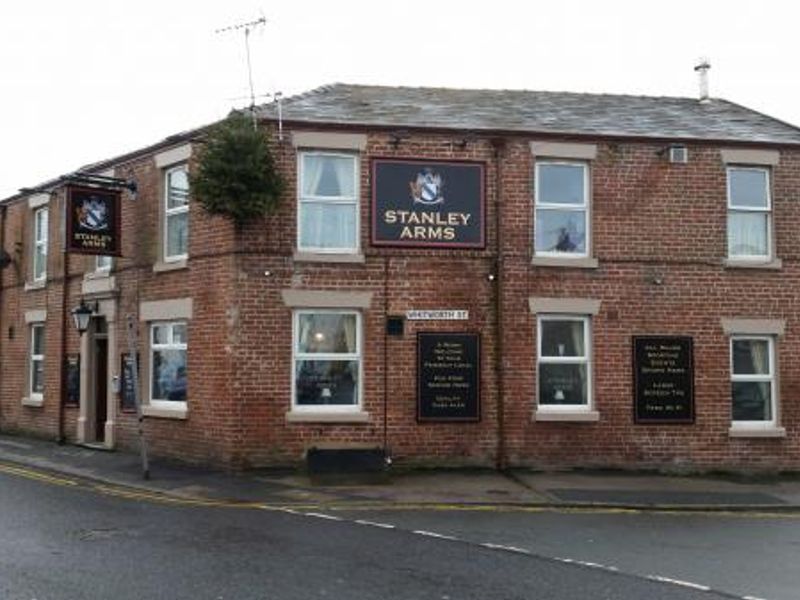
[99, 384]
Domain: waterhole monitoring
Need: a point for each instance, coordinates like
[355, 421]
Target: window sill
[572, 416]
[161, 412]
[575, 263]
[321, 257]
[176, 265]
[95, 283]
[769, 265]
[327, 417]
[35, 285]
[757, 432]
[33, 401]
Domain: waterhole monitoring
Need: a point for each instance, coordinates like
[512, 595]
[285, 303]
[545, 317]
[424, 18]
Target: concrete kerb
[145, 491]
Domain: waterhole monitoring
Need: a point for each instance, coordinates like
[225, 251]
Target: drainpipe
[60, 439]
[501, 458]
[3, 209]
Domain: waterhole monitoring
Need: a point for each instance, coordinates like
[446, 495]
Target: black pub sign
[93, 221]
[433, 204]
[448, 377]
[663, 369]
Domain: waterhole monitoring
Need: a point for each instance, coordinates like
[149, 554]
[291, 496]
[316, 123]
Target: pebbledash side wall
[659, 240]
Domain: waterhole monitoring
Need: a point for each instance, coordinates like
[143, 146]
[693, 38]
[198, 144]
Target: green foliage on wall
[236, 175]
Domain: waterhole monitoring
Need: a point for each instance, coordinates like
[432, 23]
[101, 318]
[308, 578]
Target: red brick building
[454, 276]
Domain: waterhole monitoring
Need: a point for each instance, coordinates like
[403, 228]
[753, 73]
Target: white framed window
[326, 360]
[176, 214]
[561, 214]
[749, 213]
[753, 393]
[564, 365]
[36, 362]
[102, 264]
[168, 368]
[327, 212]
[41, 217]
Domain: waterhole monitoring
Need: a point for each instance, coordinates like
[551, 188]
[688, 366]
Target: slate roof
[534, 112]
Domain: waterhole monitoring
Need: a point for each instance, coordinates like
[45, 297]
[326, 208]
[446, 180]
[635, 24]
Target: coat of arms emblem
[92, 214]
[427, 188]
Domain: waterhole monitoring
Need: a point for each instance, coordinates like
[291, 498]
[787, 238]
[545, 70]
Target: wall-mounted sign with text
[93, 221]
[431, 204]
[437, 315]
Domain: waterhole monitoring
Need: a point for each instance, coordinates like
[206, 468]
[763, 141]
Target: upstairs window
[40, 226]
[562, 209]
[749, 214]
[176, 214]
[327, 213]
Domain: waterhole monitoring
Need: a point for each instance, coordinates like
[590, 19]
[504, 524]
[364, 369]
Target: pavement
[433, 488]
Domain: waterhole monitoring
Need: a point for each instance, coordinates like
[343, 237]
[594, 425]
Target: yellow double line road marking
[37, 475]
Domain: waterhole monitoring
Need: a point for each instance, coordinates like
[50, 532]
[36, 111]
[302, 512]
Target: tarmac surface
[422, 488]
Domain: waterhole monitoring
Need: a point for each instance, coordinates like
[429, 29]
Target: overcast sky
[81, 81]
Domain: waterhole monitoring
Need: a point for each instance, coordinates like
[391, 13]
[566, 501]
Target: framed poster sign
[430, 204]
[72, 395]
[663, 370]
[126, 394]
[93, 221]
[448, 377]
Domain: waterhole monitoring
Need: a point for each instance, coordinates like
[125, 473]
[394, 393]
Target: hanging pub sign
[93, 221]
[448, 377]
[663, 379]
[431, 204]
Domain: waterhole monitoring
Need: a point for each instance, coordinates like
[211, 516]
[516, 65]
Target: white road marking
[506, 548]
[374, 524]
[323, 516]
[433, 534]
[689, 584]
[752, 598]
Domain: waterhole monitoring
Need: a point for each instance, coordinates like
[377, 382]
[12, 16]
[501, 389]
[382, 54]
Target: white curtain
[747, 234]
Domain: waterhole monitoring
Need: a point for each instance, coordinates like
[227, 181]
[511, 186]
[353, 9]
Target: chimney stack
[702, 71]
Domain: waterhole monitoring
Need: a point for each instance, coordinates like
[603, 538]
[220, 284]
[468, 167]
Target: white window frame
[750, 209]
[103, 264]
[40, 242]
[356, 356]
[586, 320]
[171, 212]
[343, 200]
[769, 378]
[34, 358]
[177, 405]
[584, 208]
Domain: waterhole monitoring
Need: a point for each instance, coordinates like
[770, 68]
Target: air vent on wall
[678, 154]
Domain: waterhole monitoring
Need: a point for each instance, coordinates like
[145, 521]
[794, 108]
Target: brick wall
[652, 221]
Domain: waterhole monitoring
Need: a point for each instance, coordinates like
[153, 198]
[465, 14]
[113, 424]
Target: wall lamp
[81, 315]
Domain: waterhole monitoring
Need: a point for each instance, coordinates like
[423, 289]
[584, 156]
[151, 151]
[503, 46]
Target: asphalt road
[62, 543]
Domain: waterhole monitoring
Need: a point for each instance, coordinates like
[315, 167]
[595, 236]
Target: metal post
[136, 397]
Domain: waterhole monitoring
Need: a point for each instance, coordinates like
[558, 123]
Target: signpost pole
[136, 398]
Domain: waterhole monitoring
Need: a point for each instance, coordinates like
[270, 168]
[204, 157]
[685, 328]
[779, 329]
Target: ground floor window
[168, 346]
[753, 380]
[564, 364]
[36, 366]
[327, 359]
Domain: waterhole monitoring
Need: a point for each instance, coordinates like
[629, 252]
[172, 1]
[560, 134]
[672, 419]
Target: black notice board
[126, 395]
[448, 377]
[72, 396]
[663, 370]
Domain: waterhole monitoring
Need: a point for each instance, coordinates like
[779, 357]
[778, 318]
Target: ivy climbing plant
[236, 175]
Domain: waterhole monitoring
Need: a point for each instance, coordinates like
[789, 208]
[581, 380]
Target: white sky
[85, 80]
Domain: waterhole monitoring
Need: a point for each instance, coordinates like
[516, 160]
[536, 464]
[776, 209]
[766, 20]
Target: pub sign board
[663, 369]
[93, 221]
[126, 390]
[72, 387]
[448, 377]
[429, 204]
